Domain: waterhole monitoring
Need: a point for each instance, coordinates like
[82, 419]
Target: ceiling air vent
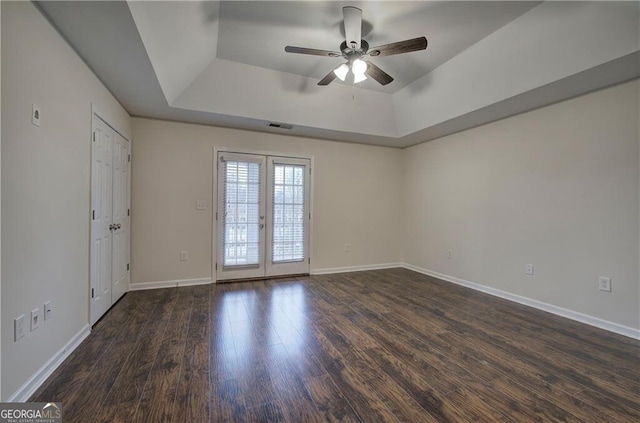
[280, 125]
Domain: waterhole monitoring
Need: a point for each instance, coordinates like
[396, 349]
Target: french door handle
[112, 227]
[262, 226]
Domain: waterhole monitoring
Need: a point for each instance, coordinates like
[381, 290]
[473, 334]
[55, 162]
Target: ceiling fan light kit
[341, 71]
[358, 77]
[354, 49]
[358, 67]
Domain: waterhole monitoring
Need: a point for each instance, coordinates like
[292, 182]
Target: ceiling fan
[354, 49]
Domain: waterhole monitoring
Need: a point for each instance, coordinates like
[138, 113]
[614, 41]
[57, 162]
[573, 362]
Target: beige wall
[356, 198]
[556, 187]
[45, 187]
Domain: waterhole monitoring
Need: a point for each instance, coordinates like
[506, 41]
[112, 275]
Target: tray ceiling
[223, 63]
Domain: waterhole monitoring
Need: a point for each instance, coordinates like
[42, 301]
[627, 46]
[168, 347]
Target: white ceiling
[223, 63]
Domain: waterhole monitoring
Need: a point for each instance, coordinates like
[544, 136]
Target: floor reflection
[231, 316]
[288, 303]
[252, 321]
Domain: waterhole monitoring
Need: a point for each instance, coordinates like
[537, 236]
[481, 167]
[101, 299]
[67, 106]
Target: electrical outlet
[449, 254]
[201, 205]
[347, 248]
[18, 327]
[35, 319]
[528, 269]
[604, 284]
[184, 256]
[47, 310]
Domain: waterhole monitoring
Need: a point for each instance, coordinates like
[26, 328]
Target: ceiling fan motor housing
[352, 54]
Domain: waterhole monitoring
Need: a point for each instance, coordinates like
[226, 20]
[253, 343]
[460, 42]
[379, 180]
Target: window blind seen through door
[242, 213]
[288, 213]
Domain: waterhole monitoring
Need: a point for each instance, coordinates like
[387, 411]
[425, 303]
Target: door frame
[97, 113]
[214, 196]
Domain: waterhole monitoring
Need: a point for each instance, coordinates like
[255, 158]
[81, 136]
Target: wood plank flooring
[388, 345]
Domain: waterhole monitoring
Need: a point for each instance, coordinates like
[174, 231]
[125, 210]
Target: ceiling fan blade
[378, 74]
[312, 51]
[352, 25]
[327, 79]
[400, 47]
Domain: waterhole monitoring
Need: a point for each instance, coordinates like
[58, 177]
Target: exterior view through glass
[242, 214]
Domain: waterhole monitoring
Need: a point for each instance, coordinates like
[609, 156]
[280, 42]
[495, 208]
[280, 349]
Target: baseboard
[550, 308]
[329, 270]
[203, 281]
[34, 382]
[168, 284]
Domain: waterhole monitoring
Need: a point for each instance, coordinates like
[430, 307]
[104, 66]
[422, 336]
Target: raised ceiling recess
[224, 63]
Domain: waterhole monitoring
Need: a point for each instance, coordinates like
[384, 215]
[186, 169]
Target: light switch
[47, 310]
[35, 115]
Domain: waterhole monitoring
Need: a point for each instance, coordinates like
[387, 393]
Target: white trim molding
[25, 391]
[550, 308]
[168, 284]
[329, 270]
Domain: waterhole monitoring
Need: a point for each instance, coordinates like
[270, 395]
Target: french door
[262, 217]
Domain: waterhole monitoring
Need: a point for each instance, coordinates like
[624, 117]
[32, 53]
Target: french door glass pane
[242, 214]
[288, 213]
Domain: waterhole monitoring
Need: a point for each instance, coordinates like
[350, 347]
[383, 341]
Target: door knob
[118, 226]
[112, 227]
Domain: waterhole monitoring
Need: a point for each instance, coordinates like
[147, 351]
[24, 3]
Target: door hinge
[216, 215]
[309, 260]
[127, 266]
[128, 212]
[92, 293]
[216, 266]
[129, 158]
[93, 215]
[94, 136]
[309, 215]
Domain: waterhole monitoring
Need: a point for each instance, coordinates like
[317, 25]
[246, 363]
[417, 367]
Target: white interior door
[121, 236]
[262, 216]
[110, 235]
[101, 218]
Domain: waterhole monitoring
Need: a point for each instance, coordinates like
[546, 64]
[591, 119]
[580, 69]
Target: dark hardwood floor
[387, 345]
